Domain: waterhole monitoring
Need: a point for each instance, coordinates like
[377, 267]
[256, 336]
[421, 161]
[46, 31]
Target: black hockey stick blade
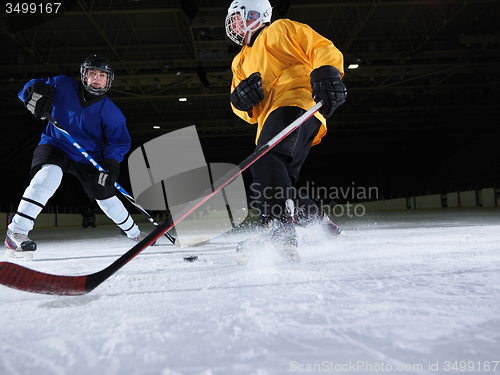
[22, 278]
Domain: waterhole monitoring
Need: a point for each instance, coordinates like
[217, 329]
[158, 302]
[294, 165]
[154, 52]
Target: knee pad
[113, 208]
[44, 183]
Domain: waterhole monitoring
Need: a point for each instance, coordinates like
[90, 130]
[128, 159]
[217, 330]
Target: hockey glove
[248, 93]
[39, 99]
[108, 178]
[327, 86]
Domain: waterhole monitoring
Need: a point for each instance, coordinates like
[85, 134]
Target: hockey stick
[101, 169]
[18, 277]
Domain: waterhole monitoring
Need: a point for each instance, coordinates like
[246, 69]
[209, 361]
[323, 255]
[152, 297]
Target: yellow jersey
[284, 53]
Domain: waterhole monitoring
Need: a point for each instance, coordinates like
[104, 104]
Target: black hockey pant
[275, 174]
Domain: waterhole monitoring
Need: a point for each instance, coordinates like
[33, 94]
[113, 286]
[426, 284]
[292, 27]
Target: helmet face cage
[101, 64]
[241, 11]
[234, 30]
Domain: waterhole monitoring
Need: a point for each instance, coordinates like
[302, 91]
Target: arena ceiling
[428, 77]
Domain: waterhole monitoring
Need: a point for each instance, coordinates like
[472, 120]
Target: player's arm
[326, 78]
[246, 93]
[326, 60]
[327, 86]
[38, 96]
[117, 145]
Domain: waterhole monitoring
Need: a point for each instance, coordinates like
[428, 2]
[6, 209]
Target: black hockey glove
[39, 99]
[248, 93]
[327, 86]
[112, 168]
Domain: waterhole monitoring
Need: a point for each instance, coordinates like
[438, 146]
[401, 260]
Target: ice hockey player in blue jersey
[93, 120]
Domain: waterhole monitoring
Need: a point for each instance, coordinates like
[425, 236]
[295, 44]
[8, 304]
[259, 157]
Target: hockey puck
[190, 258]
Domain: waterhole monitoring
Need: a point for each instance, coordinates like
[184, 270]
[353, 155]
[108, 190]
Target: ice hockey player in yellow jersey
[283, 68]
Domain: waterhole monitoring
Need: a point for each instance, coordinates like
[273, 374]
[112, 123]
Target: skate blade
[19, 255]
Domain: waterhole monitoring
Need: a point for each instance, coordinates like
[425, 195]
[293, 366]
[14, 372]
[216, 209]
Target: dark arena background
[421, 116]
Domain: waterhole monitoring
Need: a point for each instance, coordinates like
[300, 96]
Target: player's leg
[46, 174]
[106, 198]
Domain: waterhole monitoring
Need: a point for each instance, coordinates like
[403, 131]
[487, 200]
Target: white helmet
[241, 11]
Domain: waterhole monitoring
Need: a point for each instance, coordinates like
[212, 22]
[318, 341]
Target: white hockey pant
[43, 185]
[116, 211]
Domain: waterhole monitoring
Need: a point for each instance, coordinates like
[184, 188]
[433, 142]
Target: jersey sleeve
[115, 131]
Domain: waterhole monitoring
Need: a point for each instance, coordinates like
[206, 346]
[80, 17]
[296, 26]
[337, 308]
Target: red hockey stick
[19, 277]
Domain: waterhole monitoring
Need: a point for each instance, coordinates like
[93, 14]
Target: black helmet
[96, 62]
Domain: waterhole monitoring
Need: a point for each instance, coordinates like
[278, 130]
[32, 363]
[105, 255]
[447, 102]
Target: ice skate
[246, 249]
[322, 229]
[19, 246]
[330, 229]
[280, 233]
[284, 238]
[140, 237]
[289, 253]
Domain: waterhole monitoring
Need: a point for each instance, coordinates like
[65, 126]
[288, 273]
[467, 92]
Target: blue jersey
[96, 125]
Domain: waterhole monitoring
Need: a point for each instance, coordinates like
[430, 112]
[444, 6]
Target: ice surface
[404, 291]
